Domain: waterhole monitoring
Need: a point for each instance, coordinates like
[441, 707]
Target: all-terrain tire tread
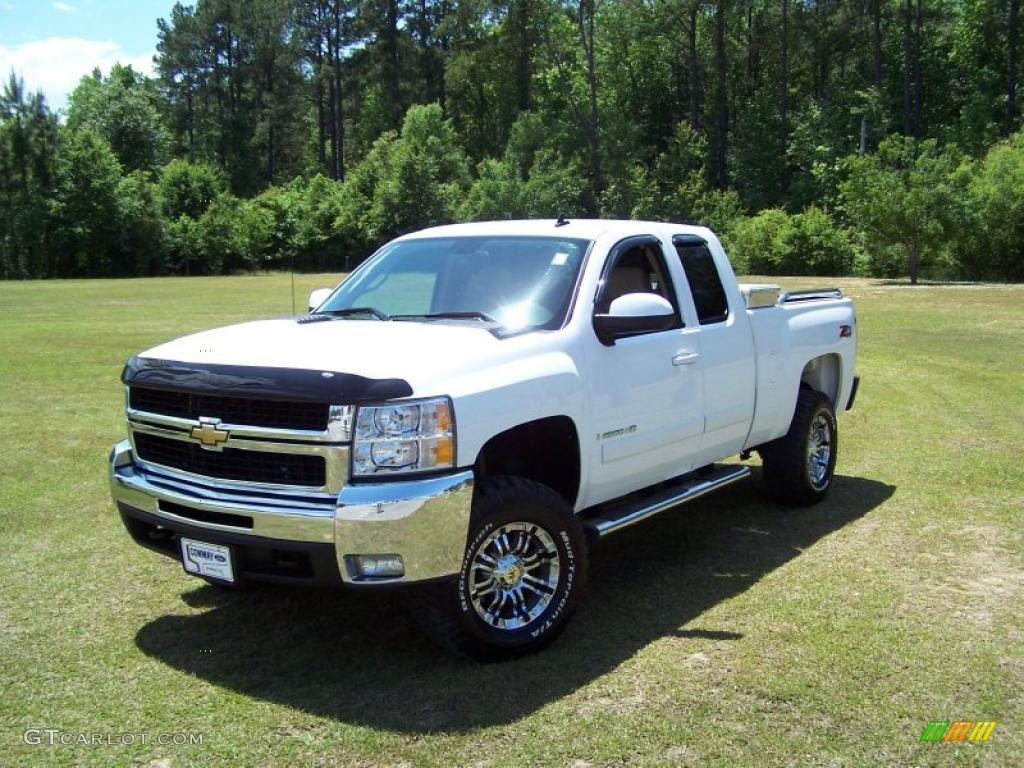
[784, 461]
[434, 604]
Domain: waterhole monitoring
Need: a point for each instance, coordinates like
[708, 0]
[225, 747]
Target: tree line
[876, 137]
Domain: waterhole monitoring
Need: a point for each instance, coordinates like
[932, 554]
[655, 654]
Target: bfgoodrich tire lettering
[522, 575]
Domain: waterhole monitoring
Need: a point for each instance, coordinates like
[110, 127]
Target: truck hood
[424, 354]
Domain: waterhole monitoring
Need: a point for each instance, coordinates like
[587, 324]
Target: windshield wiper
[470, 315]
[351, 311]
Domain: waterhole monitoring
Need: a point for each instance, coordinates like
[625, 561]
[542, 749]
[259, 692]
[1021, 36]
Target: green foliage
[232, 73]
[817, 246]
[87, 207]
[307, 132]
[530, 181]
[908, 194]
[224, 235]
[753, 242]
[675, 188]
[776, 243]
[758, 161]
[142, 227]
[411, 180]
[294, 225]
[680, 165]
[993, 244]
[187, 192]
[813, 159]
[188, 189]
[482, 106]
[275, 214]
[319, 245]
[124, 108]
[976, 43]
[185, 248]
[28, 155]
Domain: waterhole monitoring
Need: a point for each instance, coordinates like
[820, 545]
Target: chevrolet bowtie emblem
[208, 434]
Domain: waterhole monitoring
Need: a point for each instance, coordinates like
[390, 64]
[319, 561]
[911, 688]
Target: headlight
[410, 437]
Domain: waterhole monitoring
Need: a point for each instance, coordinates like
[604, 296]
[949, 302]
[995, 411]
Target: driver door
[646, 390]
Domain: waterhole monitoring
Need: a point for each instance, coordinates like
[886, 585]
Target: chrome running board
[618, 515]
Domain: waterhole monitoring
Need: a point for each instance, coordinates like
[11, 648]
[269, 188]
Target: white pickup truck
[471, 408]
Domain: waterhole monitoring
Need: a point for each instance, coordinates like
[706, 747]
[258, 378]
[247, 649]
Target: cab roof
[585, 229]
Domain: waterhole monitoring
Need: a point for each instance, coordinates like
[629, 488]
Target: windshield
[520, 283]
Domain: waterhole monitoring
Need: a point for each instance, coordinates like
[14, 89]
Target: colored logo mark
[958, 730]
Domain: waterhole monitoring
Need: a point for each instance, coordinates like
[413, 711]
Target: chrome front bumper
[425, 521]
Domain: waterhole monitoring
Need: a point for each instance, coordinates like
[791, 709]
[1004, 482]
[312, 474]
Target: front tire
[799, 467]
[522, 575]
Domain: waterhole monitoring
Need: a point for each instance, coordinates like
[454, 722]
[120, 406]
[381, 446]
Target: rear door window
[702, 276]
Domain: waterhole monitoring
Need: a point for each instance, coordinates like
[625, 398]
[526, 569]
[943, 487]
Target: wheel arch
[824, 374]
[545, 450]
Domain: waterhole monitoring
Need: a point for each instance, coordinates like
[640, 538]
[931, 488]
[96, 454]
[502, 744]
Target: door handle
[685, 358]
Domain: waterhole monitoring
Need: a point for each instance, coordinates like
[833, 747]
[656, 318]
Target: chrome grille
[232, 464]
[252, 451]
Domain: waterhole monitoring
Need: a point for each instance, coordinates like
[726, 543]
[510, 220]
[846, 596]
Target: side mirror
[318, 297]
[634, 313]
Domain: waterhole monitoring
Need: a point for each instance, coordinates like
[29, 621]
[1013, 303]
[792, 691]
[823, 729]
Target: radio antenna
[293, 283]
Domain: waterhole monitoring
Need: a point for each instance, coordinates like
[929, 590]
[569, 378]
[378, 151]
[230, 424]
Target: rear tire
[522, 575]
[798, 467]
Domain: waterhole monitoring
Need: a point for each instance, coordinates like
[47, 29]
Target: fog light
[376, 566]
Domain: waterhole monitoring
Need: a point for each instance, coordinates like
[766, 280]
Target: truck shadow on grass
[356, 657]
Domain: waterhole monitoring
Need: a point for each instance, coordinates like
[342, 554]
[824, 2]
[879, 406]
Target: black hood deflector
[261, 382]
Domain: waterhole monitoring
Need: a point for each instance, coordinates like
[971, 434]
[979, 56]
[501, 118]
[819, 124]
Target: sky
[51, 44]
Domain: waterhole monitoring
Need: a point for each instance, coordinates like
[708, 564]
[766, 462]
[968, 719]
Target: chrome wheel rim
[819, 451]
[513, 576]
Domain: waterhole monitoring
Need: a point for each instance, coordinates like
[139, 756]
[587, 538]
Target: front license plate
[202, 559]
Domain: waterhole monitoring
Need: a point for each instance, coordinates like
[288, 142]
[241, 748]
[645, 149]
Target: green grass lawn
[733, 632]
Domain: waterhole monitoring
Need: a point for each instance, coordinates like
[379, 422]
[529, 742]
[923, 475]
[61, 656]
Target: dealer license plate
[211, 560]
